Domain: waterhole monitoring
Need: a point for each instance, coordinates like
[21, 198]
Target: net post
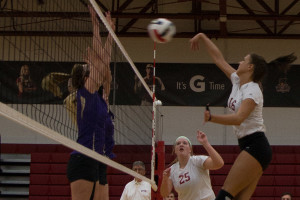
[160, 167]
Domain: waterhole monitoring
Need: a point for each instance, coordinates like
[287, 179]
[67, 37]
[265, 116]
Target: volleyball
[161, 30]
[158, 102]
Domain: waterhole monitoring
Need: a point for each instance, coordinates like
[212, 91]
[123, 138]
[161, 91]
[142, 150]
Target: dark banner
[176, 84]
[183, 85]
[25, 82]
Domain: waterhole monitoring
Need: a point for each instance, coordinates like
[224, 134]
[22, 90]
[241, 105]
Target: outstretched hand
[195, 42]
[110, 21]
[201, 137]
[92, 11]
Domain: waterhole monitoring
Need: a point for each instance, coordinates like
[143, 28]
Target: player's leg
[248, 191]
[105, 190]
[245, 170]
[101, 189]
[81, 189]
[101, 192]
[82, 172]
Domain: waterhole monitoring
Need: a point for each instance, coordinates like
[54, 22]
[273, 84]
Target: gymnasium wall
[283, 127]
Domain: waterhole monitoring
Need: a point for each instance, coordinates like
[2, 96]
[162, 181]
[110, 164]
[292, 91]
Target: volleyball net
[40, 43]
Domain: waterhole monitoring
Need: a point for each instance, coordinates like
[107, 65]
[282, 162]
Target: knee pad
[223, 195]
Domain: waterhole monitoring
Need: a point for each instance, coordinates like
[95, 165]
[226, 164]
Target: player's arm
[106, 56]
[97, 69]
[98, 60]
[214, 161]
[96, 30]
[213, 51]
[109, 39]
[166, 184]
[247, 106]
[107, 81]
[109, 137]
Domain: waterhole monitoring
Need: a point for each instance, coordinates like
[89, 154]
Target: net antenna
[153, 118]
[155, 103]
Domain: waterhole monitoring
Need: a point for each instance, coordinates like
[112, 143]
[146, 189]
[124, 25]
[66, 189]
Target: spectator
[286, 196]
[137, 188]
[138, 88]
[24, 82]
[171, 196]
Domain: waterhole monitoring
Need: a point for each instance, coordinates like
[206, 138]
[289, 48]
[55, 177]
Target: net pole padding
[153, 117]
[15, 116]
[161, 160]
[102, 17]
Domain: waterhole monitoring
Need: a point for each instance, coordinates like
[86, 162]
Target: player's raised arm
[213, 51]
[98, 58]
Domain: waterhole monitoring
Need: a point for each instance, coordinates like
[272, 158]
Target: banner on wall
[176, 84]
[25, 82]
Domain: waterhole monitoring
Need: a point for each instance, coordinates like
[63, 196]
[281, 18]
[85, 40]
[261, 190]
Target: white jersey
[254, 122]
[137, 190]
[192, 182]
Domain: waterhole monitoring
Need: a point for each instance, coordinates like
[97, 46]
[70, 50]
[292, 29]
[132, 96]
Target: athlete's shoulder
[252, 88]
[198, 160]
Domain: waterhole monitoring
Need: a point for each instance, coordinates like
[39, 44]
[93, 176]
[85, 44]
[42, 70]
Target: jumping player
[91, 113]
[245, 104]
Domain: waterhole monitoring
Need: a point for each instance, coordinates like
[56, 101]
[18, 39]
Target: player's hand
[110, 21]
[167, 173]
[93, 15]
[92, 11]
[201, 137]
[195, 42]
[207, 116]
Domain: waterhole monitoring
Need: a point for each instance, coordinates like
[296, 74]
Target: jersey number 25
[184, 178]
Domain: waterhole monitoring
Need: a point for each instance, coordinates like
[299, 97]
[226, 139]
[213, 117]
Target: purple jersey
[109, 135]
[91, 117]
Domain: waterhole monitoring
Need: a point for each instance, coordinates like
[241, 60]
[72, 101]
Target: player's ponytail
[282, 64]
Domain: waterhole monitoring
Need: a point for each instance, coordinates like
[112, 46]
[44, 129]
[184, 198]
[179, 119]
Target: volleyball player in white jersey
[245, 105]
[190, 174]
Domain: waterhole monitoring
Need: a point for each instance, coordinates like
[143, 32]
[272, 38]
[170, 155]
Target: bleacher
[49, 163]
